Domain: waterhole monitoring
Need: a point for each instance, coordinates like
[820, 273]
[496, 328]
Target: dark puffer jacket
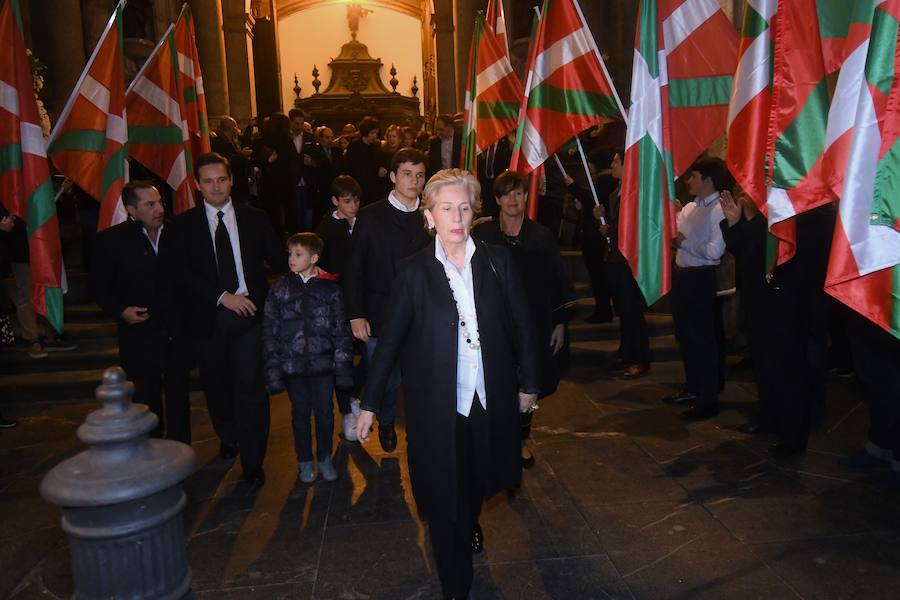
[306, 331]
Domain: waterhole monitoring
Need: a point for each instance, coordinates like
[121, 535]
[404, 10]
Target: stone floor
[625, 501]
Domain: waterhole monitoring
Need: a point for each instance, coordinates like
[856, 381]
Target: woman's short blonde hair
[448, 178]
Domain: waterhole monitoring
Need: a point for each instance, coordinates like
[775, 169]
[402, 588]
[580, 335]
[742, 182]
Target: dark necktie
[228, 278]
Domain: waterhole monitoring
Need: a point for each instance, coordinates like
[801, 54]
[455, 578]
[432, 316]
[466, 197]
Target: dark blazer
[421, 334]
[382, 237]
[434, 153]
[196, 270]
[127, 272]
[362, 162]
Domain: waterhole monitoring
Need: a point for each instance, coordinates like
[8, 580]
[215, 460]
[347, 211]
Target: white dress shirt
[469, 366]
[154, 244]
[230, 221]
[392, 198]
[703, 244]
[352, 223]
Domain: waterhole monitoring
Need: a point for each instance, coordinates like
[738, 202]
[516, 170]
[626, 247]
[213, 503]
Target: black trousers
[451, 535]
[629, 305]
[593, 249]
[232, 377]
[876, 354]
[159, 369]
[693, 310]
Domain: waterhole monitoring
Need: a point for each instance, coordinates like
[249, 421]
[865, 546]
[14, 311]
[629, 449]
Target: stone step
[62, 386]
[86, 356]
[77, 331]
[84, 313]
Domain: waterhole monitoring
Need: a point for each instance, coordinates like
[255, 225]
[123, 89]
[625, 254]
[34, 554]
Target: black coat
[421, 334]
[196, 272]
[362, 162]
[305, 332]
[127, 272]
[548, 288]
[434, 153]
[336, 235]
[382, 237]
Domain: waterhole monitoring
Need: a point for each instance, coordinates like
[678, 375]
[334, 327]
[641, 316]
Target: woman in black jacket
[275, 156]
[462, 332]
[548, 288]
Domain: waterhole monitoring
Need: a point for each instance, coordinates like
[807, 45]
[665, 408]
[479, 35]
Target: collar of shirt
[444, 260]
[212, 213]
[305, 278]
[707, 200]
[352, 223]
[154, 245]
[392, 198]
[298, 142]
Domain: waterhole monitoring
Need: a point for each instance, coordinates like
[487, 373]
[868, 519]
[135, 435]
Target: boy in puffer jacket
[308, 349]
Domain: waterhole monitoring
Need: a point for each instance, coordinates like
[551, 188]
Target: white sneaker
[327, 470]
[349, 427]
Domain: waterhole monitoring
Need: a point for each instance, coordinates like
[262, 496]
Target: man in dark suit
[131, 282]
[384, 233]
[444, 148]
[491, 164]
[330, 165]
[221, 248]
[307, 156]
[227, 143]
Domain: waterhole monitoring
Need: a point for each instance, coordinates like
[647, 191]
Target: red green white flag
[158, 137]
[24, 172]
[684, 58]
[864, 265]
[493, 95]
[89, 142]
[193, 105]
[496, 22]
[567, 90]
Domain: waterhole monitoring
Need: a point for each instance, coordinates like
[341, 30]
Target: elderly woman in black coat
[463, 335]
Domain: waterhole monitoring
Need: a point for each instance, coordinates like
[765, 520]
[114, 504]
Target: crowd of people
[350, 266]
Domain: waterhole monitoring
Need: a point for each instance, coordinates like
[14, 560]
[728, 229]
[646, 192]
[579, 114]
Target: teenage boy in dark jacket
[308, 349]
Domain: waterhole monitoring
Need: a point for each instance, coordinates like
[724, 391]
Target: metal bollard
[122, 501]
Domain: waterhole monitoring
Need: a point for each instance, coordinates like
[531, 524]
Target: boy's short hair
[507, 181]
[408, 155]
[345, 185]
[313, 243]
[716, 170]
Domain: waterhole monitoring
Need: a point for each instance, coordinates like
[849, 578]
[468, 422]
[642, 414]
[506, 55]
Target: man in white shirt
[699, 248]
[444, 147]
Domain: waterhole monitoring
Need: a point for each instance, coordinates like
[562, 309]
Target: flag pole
[587, 172]
[602, 62]
[64, 115]
[150, 58]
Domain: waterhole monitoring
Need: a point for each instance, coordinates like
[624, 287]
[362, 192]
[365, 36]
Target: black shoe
[228, 451]
[681, 397]
[477, 539]
[255, 478]
[617, 365]
[527, 463]
[699, 412]
[7, 423]
[783, 450]
[388, 437]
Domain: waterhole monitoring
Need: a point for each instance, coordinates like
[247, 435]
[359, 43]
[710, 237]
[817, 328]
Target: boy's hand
[361, 329]
[364, 425]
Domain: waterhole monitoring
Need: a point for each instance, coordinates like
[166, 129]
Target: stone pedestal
[239, 59]
[211, 48]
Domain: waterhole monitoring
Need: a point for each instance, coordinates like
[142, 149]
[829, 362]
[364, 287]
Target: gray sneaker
[307, 474]
[326, 468]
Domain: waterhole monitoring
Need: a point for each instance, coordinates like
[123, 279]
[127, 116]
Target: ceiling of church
[413, 8]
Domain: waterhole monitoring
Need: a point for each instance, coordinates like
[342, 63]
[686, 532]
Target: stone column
[60, 45]
[465, 27]
[239, 59]
[445, 57]
[94, 16]
[211, 48]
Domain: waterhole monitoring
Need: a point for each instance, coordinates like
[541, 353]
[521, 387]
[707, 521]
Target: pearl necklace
[476, 344]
